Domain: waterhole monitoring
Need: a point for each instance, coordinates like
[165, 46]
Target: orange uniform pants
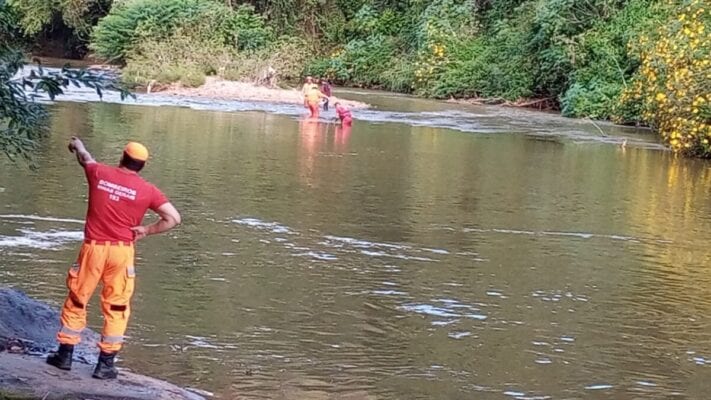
[112, 265]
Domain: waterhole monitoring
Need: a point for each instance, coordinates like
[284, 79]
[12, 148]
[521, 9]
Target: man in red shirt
[118, 201]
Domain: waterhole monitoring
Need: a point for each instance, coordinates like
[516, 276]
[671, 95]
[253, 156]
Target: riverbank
[27, 330]
[220, 89]
[217, 88]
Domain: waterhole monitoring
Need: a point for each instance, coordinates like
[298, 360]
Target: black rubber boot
[62, 359]
[105, 367]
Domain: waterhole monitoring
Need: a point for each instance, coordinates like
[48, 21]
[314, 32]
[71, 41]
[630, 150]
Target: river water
[435, 251]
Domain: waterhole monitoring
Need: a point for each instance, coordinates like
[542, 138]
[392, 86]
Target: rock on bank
[27, 330]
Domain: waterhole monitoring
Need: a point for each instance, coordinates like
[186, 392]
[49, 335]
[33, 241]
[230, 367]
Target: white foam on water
[459, 335]
[429, 310]
[444, 312]
[389, 293]
[273, 227]
[317, 255]
[41, 240]
[436, 251]
[40, 218]
[364, 243]
[399, 256]
[645, 383]
[201, 342]
[601, 386]
[580, 235]
[445, 323]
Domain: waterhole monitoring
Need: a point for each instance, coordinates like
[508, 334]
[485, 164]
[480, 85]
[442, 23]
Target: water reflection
[389, 261]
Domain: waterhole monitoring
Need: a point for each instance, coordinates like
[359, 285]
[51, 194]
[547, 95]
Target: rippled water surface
[433, 252]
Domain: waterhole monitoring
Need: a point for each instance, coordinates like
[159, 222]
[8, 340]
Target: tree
[80, 15]
[22, 118]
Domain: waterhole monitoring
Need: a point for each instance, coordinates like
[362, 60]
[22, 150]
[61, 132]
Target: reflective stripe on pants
[112, 265]
[112, 339]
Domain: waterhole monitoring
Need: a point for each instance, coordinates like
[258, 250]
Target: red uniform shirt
[118, 200]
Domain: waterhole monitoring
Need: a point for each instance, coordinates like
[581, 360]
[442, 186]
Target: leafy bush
[362, 62]
[134, 22]
[602, 63]
[288, 56]
[364, 59]
[594, 99]
[23, 120]
[9, 23]
[399, 74]
[370, 21]
[494, 65]
[673, 86]
[490, 72]
[187, 55]
[80, 15]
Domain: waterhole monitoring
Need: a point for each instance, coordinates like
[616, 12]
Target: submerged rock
[27, 333]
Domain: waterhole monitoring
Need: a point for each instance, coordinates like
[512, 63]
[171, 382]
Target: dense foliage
[590, 58]
[80, 15]
[672, 89]
[22, 118]
[133, 23]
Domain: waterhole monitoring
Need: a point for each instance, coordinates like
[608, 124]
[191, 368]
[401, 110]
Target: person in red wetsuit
[344, 114]
[118, 201]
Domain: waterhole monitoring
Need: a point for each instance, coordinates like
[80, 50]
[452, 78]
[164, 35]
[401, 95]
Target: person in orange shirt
[313, 100]
[308, 85]
[118, 201]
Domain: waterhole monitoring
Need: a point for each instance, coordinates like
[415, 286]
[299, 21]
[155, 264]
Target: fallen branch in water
[596, 126]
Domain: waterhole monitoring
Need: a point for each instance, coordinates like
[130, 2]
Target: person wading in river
[308, 86]
[118, 201]
[326, 90]
[313, 99]
[344, 114]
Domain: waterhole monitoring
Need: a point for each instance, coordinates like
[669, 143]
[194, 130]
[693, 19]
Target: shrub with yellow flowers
[672, 88]
[432, 58]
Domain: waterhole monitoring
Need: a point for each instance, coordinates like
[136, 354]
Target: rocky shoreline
[27, 330]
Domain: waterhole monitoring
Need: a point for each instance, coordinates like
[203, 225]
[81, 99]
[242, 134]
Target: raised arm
[83, 156]
[169, 219]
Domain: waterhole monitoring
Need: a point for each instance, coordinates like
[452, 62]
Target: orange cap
[136, 151]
